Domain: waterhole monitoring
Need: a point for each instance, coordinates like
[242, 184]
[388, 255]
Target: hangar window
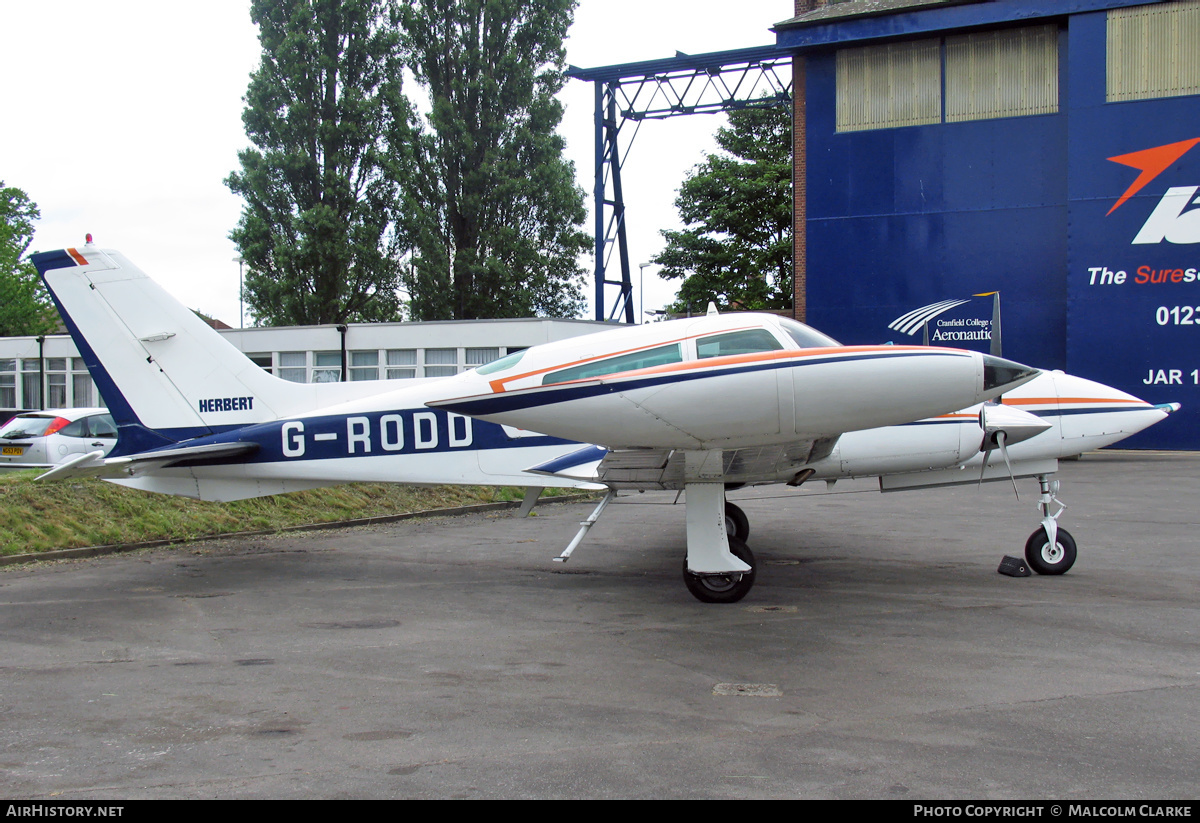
[645, 359]
[992, 74]
[897, 84]
[1003, 73]
[1154, 51]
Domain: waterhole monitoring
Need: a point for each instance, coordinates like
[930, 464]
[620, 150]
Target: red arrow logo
[1151, 163]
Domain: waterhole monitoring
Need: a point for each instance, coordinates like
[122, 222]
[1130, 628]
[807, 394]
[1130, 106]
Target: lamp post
[241, 292]
[642, 291]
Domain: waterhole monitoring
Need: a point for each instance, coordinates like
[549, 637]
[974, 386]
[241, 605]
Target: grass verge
[38, 517]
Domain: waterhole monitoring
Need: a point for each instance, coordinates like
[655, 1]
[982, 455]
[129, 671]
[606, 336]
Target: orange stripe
[734, 359]
[77, 257]
[498, 384]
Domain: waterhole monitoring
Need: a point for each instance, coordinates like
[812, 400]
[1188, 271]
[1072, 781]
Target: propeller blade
[1001, 438]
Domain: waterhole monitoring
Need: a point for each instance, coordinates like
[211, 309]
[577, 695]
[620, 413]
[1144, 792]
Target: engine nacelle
[936, 443]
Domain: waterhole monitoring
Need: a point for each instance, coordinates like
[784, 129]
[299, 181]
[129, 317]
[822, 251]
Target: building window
[81, 390]
[327, 367]
[441, 362]
[8, 384]
[81, 385]
[1154, 51]
[262, 360]
[992, 74]
[293, 366]
[401, 364]
[481, 357]
[364, 365]
[889, 86]
[1004, 73]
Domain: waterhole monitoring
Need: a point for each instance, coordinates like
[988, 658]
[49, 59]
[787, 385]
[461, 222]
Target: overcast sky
[123, 117]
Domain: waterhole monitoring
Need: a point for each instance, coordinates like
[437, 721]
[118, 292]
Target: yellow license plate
[14, 451]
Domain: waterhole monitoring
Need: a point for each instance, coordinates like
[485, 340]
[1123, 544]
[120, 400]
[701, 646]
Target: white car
[41, 440]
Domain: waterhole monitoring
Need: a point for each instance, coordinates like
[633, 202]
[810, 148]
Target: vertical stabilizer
[165, 374]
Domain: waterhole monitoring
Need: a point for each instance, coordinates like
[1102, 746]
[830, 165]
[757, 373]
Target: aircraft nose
[1000, 374]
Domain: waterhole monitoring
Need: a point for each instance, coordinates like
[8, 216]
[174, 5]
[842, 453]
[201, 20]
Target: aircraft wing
[664, 468]
[94, 464]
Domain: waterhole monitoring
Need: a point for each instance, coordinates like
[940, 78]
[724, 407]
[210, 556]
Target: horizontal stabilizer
[94, 464]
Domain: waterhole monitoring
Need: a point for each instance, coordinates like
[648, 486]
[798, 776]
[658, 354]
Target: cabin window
[645, 359]
[502, 364]
[806, 337]
[747, 341]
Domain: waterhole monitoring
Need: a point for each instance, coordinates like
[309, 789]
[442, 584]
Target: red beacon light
[87, 238]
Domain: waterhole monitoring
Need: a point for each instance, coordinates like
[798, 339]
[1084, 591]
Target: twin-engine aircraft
[700, 405]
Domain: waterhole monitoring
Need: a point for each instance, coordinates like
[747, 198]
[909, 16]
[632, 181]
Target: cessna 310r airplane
[699, 404]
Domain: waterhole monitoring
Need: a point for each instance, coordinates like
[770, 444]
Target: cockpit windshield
[806, 336]
[501, 364]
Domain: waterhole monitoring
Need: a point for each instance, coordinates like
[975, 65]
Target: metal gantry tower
[653, 90]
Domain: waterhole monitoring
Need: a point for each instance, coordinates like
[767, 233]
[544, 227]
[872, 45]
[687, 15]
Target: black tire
[737, 524]
[723, 588]
[1044, 560]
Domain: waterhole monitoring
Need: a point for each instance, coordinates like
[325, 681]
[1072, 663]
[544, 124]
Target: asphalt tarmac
[880, 655]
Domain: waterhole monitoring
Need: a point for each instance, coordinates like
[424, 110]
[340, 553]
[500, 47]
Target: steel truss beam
[653, 90]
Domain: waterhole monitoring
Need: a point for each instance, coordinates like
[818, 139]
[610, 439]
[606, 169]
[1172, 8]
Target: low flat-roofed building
[302, 354]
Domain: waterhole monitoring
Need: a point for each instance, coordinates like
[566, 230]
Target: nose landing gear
[1050, 549]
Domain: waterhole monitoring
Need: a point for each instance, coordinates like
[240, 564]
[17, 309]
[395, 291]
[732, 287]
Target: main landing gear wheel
[723, 588]
[737, 524]
[1046, 559]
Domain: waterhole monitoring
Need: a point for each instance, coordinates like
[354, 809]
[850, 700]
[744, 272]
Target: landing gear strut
[1050, 549]
[723, 588]
[719, 567]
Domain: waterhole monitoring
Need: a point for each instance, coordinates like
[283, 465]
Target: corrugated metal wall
[977, 201]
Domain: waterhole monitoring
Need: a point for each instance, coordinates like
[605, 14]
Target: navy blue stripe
[550, 395]
[1092, 410]
[579, 457]
[272, 438]
[1039, 413]
[46, 260]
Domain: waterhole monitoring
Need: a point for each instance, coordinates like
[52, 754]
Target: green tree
[327, 114]
[737, 205]
[495, 212]
[25, 307]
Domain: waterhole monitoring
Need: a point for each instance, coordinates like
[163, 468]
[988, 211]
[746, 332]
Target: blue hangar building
[1047, 149]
